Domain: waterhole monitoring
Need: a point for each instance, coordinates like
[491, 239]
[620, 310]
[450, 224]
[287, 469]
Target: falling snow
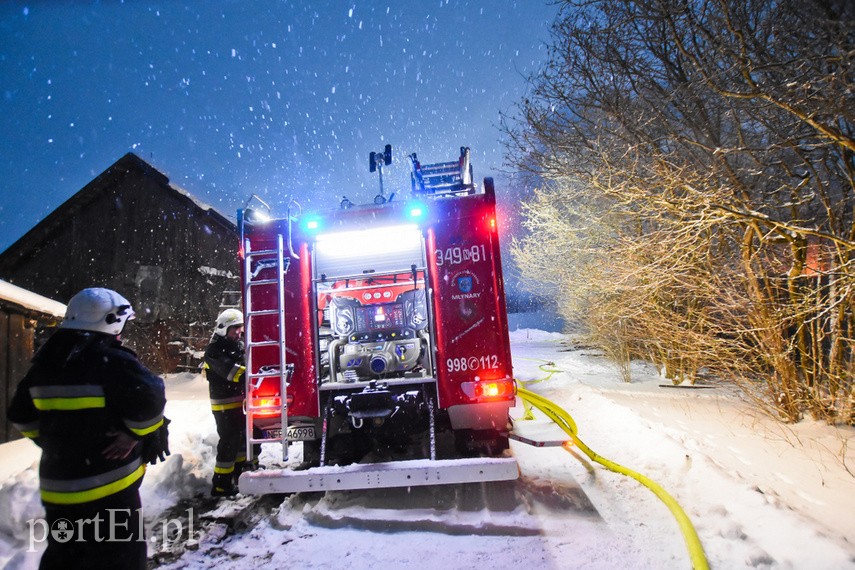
[231, 99]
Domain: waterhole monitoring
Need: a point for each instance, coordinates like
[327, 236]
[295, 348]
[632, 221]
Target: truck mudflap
[412, 473]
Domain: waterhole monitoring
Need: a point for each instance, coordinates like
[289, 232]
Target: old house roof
[103, 183]
[29, 302]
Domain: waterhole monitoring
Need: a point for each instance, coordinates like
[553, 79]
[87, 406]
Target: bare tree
[700, 160]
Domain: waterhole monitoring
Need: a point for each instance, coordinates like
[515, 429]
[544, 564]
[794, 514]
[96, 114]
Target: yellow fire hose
[566, 423]
[527, 415]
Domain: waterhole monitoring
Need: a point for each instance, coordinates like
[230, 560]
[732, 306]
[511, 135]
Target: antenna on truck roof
[376, 161]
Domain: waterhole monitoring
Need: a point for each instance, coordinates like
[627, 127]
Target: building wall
[16, 350]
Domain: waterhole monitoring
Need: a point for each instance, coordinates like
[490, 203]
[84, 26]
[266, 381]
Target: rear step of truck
[412, 473]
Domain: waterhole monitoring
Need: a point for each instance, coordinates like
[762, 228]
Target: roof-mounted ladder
[443, 178]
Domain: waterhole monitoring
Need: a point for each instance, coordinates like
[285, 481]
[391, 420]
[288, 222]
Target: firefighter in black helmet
[224, 368]
[97, 414]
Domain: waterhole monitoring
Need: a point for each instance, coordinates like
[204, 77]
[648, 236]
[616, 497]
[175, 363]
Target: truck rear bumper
[411, 473]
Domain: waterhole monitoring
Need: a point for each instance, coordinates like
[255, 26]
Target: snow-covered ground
[760, 494]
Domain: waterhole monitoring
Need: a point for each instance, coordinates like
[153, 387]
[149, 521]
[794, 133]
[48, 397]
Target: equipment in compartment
[373, 339]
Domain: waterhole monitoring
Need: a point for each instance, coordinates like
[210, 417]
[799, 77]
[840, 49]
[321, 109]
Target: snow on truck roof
[29, 300]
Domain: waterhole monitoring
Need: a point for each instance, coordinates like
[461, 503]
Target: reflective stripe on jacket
[87, 489]
[80, 397]
[223, 404]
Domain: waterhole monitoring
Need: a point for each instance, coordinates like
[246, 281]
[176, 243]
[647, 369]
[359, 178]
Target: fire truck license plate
[295, 433]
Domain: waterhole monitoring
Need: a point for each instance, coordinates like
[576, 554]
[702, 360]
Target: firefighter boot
[223, 485]
[242, 466]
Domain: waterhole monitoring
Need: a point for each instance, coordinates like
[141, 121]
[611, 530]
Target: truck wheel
[347, 448]
[311, 454]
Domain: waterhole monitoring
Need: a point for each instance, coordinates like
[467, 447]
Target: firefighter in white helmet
[97, 414]
[224, 368]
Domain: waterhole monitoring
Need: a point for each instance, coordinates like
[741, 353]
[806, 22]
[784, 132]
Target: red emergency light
[271, 402]
[488, 389]
[481, 390]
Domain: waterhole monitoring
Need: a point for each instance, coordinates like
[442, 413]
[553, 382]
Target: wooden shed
[25, 319]
[132, 231]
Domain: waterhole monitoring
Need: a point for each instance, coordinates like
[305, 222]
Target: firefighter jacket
[224, 369]
[82, 387]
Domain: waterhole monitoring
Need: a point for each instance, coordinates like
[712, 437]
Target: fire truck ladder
[266, 259]
[443, 178]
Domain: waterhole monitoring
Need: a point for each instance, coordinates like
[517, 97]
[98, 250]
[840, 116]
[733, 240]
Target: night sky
[231, 98]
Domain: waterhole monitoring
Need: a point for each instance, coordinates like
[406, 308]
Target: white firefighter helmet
[99, 310]
[228, 318]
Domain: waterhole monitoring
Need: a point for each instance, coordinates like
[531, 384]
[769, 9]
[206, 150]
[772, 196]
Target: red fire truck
[377, 336]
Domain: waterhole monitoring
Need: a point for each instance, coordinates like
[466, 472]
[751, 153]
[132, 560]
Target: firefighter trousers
[104, 534]
[231, 449]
